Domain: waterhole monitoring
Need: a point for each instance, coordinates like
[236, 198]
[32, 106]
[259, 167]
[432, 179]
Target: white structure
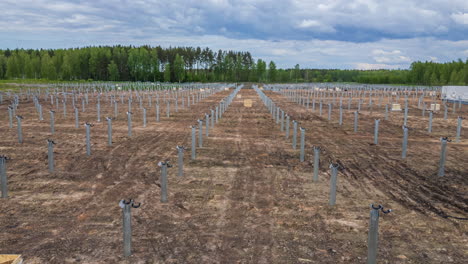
[455, 93]
[396, 107]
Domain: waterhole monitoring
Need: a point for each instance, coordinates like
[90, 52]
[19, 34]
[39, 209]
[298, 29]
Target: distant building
[455, 93]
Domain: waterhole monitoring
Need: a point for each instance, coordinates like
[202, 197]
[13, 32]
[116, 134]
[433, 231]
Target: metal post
[373, 236]
[77, 124]
[40, 113]
[52, 125]
[294, 134]
[157, 112]
[386, 112]
[207, 125]
[168, 109]
[116, 112]
[329, 111]
[459, 127]
[88, 138]
[20, 130]
[64, 108]
[301, 157]
[164, 166]
[320, 108]
[10, 116]
[180, 160]
[277, 115]
[429, 129]
[405, 121]
[376, 132]
[50, 154]
[194, 138]
[341, 116]
[212, 118]
[333, 181]
[200, 133]
[287, 126]
[282, 120]
[98, 109]
[445, 112]
[127, 224]
[405, 142]
[129, 123]
[316, 162]
[109, 131]
[356, 121]
[3, 176]
[144, 117]
[443, 156]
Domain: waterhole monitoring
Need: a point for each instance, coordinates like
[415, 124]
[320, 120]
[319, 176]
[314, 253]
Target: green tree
[154, 65]
[453, 77]
[261, 70]
[66, 69]
[47, 68]
[113, 71]
[297, 72]
[179, 68]
[3, 63]
[13, 67]
[272, 72]
[167, 72]
[434, 79]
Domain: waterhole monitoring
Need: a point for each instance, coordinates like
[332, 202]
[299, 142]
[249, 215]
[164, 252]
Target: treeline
[126, 63]
[188, 64]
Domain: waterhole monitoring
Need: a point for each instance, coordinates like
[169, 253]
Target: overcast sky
[363, 34]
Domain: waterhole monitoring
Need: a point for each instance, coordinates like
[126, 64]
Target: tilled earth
[245, 199]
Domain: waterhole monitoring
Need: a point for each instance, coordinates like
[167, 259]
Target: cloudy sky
[363, 34]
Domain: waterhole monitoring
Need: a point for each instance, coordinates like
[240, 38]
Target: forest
[188, 64]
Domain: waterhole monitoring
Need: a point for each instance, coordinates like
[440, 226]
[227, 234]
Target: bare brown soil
[245, 199]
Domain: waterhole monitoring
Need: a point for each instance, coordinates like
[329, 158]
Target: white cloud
[315, 25]
[374, 66]
[383, 52]
[460, 18]
[313, 33]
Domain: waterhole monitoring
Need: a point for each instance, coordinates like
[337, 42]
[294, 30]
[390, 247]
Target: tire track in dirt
[236, 228]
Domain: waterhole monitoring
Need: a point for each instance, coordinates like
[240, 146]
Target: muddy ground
[245, 199]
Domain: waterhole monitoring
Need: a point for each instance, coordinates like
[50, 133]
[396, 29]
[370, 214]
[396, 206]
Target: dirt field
[245, 199]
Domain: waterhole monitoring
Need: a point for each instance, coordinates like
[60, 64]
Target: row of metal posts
[212, 118]
[374, 215]
[405, 132]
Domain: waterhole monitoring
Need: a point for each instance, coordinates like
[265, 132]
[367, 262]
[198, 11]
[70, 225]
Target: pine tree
[272, 72]
[3, 62]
